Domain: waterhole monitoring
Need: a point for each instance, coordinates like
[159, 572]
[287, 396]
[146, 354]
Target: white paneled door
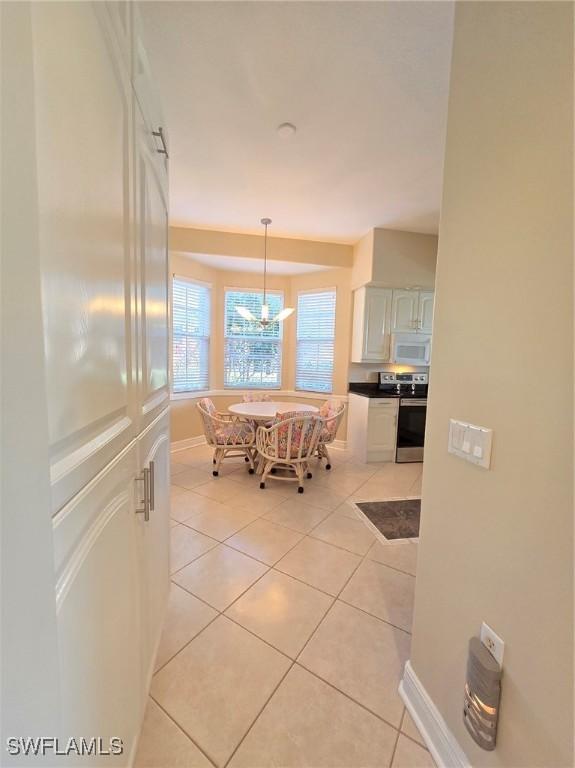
[151, 213]
[83, 110]
[98, 190]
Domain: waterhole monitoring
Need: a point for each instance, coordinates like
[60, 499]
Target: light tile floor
[288, 623]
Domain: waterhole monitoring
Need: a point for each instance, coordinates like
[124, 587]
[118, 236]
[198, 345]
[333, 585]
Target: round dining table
[265, 410]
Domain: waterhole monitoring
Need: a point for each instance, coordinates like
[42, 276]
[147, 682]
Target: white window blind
[315, 341]
[252, 354]
[191, 335]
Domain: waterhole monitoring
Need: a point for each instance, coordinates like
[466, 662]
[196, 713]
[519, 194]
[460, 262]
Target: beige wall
[206, 241]
[395, 259]
[185, 423]
[404, 259]
[362, 260]
[498, 545]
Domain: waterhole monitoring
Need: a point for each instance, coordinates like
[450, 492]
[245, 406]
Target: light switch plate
[470, 442]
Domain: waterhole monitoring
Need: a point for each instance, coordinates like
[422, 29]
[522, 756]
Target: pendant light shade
[246, 314]
[264, 320]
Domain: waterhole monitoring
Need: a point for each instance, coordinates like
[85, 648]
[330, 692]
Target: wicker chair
[228, 434]
[256, 397]
[289, 443]
[331, 413]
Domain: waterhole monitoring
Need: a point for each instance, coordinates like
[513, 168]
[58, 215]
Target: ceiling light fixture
[264, 321]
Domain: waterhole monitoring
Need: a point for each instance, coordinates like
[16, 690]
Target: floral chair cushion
[329, 410]
[302, 431]
[256, 397]
[234, 434]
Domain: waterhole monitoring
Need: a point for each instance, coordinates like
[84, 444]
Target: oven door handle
[411, 402]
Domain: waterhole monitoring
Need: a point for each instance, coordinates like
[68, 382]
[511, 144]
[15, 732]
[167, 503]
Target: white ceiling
[366, 84]
[244, 264]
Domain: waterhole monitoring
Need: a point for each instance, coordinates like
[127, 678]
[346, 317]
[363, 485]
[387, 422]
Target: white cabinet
[372, 427]
[102, 208]
[371, 325]
[379, 312]
[412, 311]
[382, 429]
[83, 101]
[152, 251]
[98, 610]
[404, 311]
[425, 313]
[153, 538]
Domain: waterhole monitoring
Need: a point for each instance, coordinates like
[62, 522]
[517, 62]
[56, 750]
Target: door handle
[145, 509]
[152, 486]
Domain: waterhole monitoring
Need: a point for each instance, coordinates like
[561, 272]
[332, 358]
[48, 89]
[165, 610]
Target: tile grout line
[211, 621]
[394, 748]
[333, 598]
[296, 661]
[293, 663]
[186, 734]
[347, 696]
[282, 679]
[267, 701]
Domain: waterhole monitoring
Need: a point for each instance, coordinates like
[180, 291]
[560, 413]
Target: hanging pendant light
[264, 320]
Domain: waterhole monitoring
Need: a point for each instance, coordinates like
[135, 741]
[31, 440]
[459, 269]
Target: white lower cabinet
[98, 607]
[372, 427]
[154, 539]
[112, 589]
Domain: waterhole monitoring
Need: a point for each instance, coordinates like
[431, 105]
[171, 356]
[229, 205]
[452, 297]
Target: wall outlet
[492, 642]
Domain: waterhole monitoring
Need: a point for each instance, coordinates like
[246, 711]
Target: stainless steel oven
[410, 429]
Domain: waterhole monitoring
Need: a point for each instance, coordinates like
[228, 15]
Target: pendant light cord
[265, 259]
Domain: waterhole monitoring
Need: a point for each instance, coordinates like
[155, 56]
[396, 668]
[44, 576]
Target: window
[315, 341]
[252, 354]
[191, 335]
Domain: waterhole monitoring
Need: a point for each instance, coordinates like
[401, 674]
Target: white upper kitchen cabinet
[404, 311]
[412, 311]
[371, 325]
[425, 311]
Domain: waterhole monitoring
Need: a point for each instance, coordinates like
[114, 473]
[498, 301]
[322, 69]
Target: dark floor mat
[394, 519]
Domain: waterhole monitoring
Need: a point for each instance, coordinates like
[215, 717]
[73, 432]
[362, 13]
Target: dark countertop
[369, 390]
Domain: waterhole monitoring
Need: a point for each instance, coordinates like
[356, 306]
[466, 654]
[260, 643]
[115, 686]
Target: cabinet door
[382, 430]
[425, 314]
[404, 311]
[376, 324]
[97, 598]
[83, 104]
[153, 538]
[152, 240]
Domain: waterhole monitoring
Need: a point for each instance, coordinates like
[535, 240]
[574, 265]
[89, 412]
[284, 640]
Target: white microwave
[411, 348]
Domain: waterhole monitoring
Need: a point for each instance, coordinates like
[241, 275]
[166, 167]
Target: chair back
[294, 435]
[331, 413]
[256, 397]
[207, 412]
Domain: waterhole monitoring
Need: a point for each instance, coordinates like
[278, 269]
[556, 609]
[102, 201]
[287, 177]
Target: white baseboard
[189, 442]
[442, 744]
[339, 445]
